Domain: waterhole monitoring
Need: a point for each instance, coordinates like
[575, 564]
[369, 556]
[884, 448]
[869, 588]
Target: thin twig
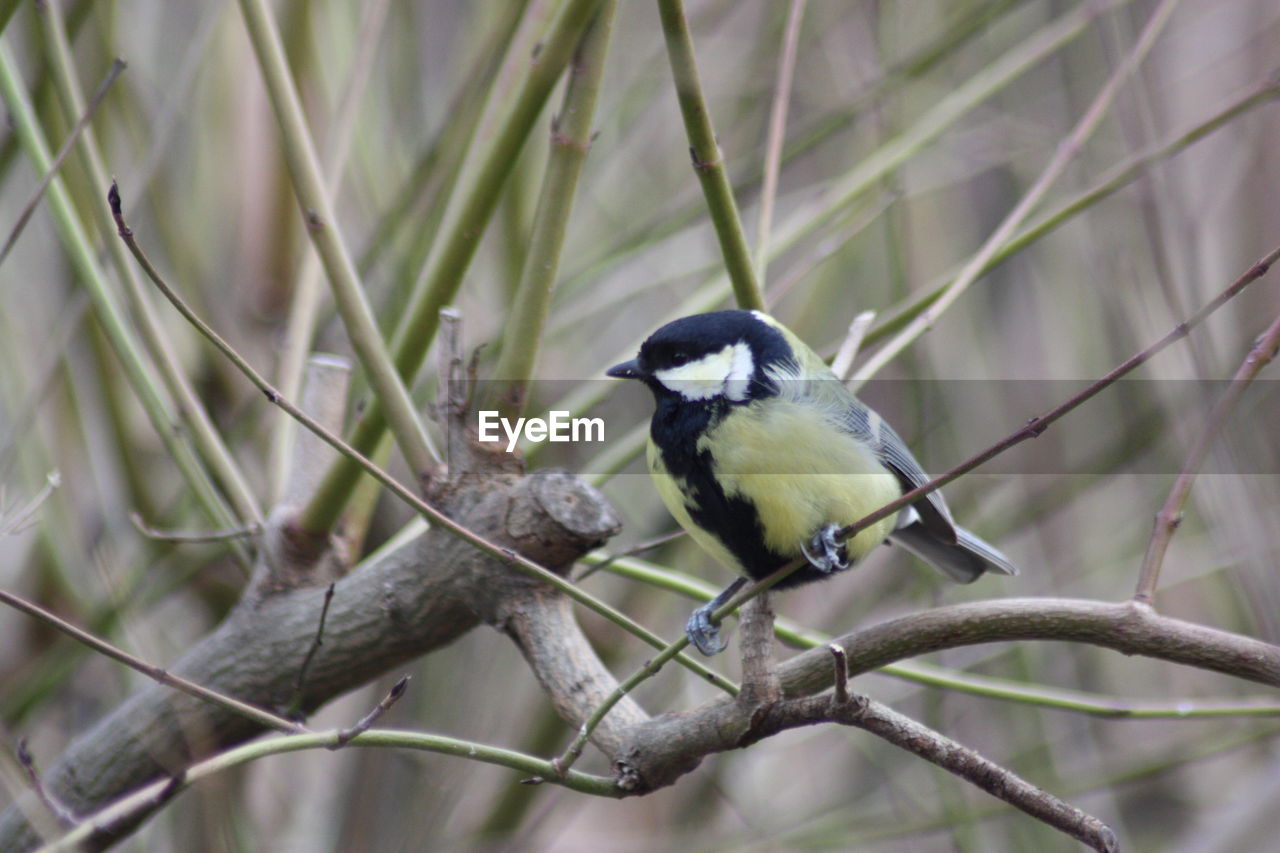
[163, 676]
[906, 733]
[1037, 425]
[296, 702]
[59, 810]
[505, 555]
[1065, 153]
[238, 532]
[366, 722]
[323, 227]
[117, 65]
[777, 131]
[647, 545]
[842, 366]
[841, 663]
[650, 668]
[1170, 515]
[1034, 427]
[455, 247]
[21, 518]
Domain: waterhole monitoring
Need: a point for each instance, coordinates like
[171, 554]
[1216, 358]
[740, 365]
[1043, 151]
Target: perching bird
[763, 455]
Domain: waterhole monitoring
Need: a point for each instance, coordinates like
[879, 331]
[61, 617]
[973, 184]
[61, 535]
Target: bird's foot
[703, 633]
[824, 553]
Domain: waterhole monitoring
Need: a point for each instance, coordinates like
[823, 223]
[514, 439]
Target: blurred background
[913, 130]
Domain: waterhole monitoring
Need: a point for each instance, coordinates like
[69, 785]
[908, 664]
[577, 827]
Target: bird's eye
[679, 357]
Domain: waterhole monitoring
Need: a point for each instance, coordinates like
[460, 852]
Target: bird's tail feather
[963, 562]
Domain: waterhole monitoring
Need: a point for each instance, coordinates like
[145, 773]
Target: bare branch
[906, 733]
[1170, 515]
[677, 741]
[117, 65]
[28, 763]
[23, 517]
[296, 702]
[410, 602]
[840, 693]
[1126, 627]
[157, 674]
[366, 722]
[755, 632]
[238, 532]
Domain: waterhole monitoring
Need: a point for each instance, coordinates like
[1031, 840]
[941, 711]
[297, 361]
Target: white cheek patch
[725, 373]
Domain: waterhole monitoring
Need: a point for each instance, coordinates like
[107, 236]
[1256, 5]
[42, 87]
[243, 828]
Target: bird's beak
[626, 370]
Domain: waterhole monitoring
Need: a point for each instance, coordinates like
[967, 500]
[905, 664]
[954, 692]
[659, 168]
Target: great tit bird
[763, 455]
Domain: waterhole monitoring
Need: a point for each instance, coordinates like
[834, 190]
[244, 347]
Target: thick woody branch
[543, 626]
[418, 599]
[732, 725]
[669, 746]
[759, 675]
[426, 595]
[1128, 628]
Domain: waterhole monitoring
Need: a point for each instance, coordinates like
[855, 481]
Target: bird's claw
[703, 633]
[824, 553]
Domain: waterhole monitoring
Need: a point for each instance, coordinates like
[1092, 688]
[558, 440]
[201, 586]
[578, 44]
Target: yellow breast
[802, 472]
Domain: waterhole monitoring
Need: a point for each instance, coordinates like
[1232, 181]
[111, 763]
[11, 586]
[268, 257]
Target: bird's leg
[701, 631]
[824, 553]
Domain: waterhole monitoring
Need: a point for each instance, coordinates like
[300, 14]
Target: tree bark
[420, 598]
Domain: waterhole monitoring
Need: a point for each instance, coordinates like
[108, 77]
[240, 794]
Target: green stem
[7, 8]
[448, 263]
[708, 163]
[870, 172]
[570, 142]
[322, 223]
[1115, 179]
[304, 306]
[108, 312]
[1062, 157]
[151, 797]
[650, 668]
[791, 634]
[204, 435]
[446, 146]
[416, 503]
[414, 220]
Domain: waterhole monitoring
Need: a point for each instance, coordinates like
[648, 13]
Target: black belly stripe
[732, 520]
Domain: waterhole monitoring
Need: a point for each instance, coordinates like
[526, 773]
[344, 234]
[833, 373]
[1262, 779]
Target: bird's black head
[718, 356]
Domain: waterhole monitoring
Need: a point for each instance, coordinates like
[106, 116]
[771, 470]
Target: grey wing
[892, 451]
